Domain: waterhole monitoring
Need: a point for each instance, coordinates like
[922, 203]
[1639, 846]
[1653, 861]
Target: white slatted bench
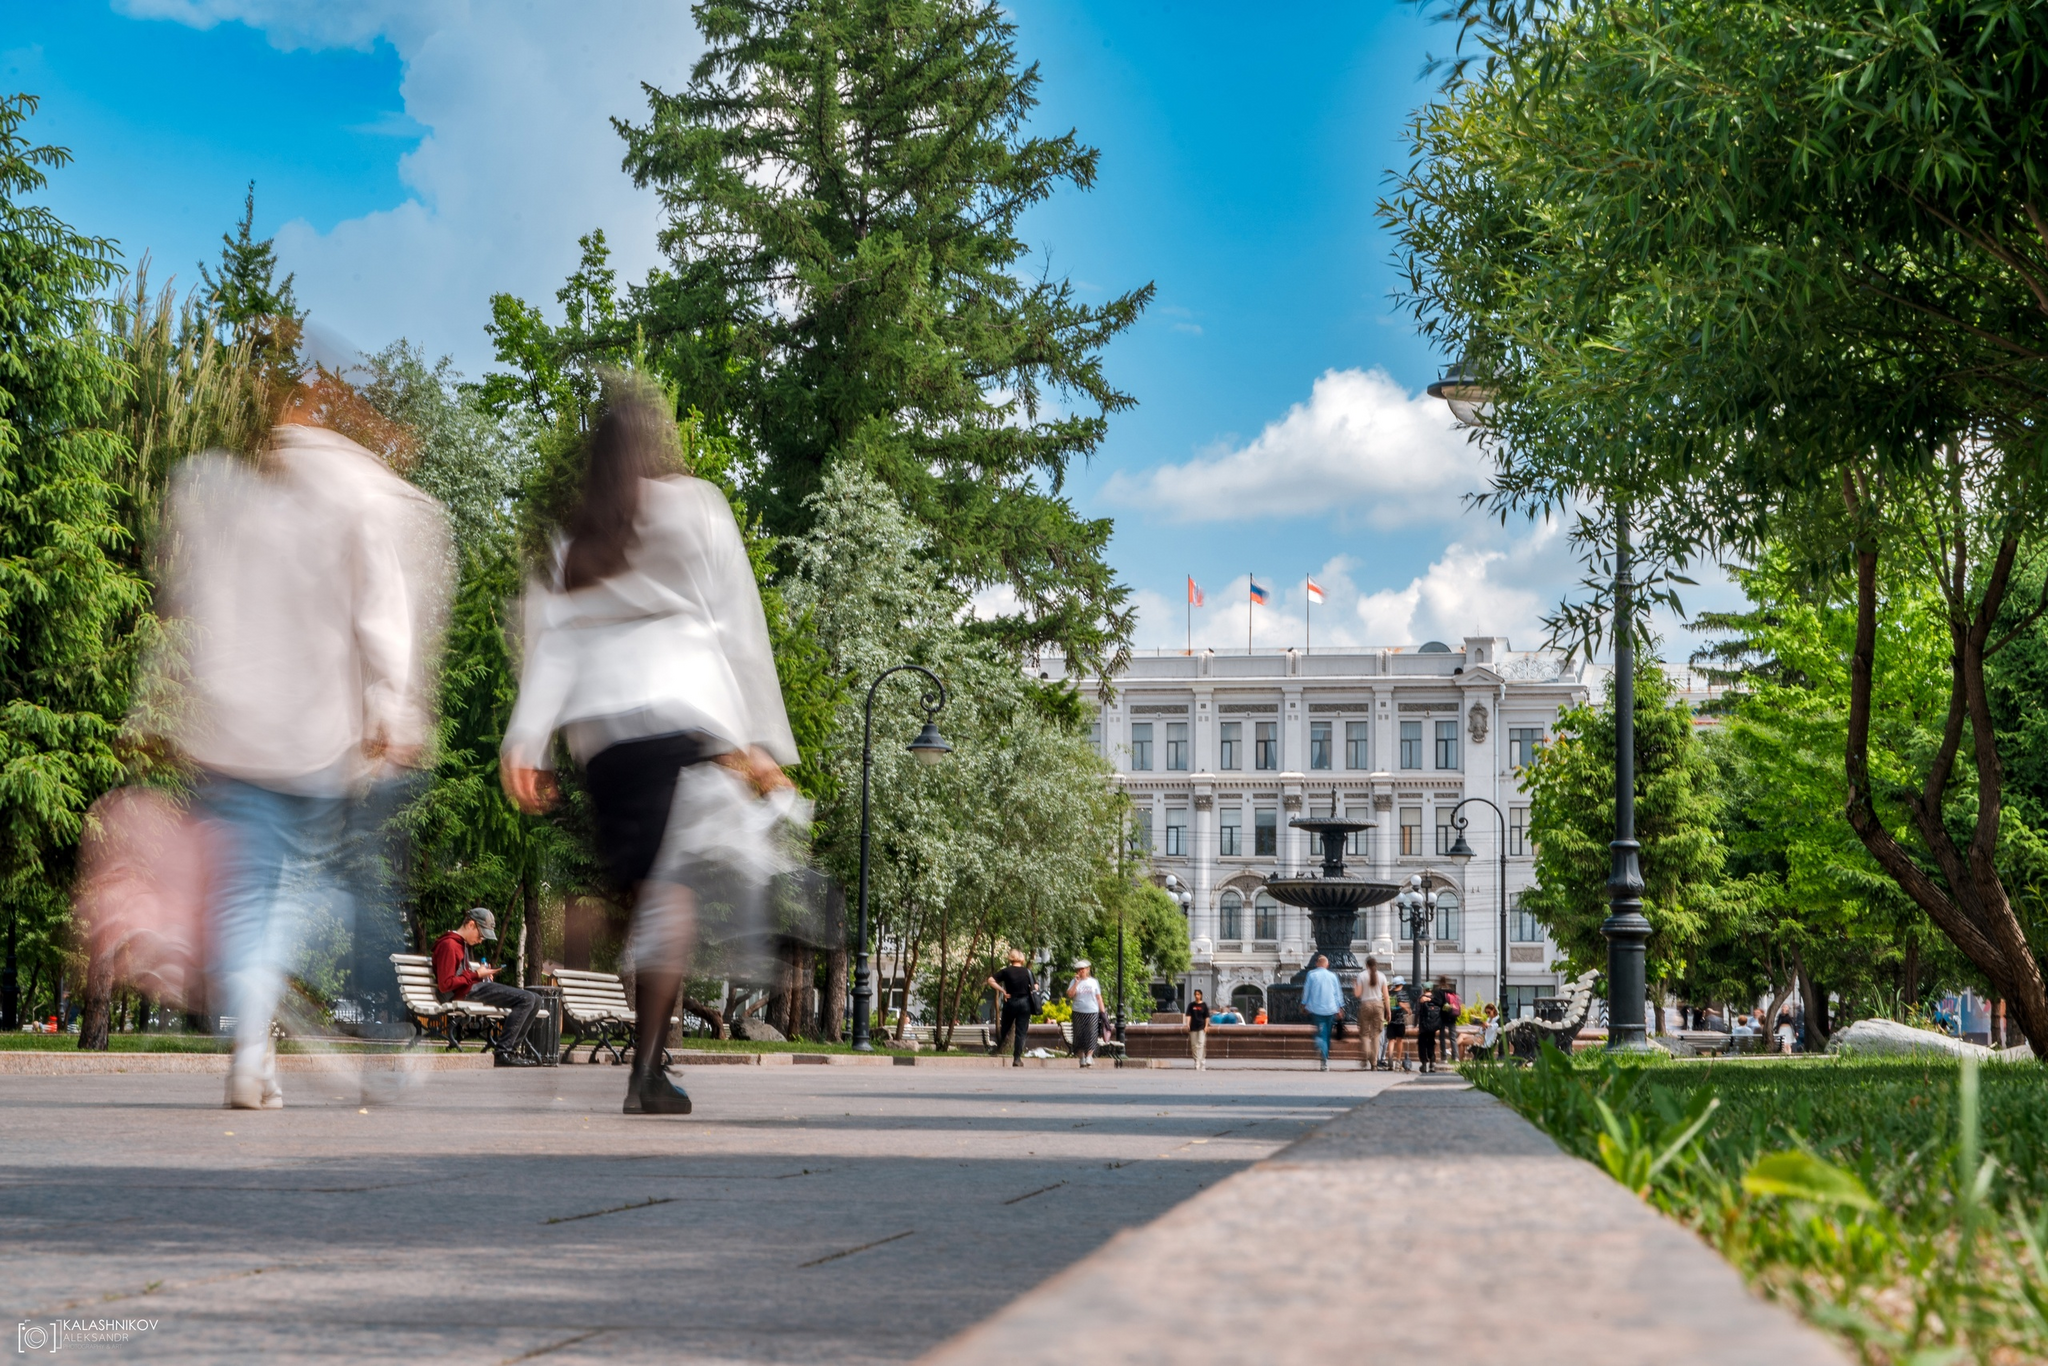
[595, 1011]
[450, 1020]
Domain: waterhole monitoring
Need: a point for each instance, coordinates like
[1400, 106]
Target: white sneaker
[273, 1094]
[1325, 1067]
[245, 1091]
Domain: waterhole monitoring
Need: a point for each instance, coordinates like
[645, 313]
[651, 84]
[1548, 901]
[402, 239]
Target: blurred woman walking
[647, 648]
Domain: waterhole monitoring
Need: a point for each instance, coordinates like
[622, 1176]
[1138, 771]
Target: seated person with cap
[458, 978]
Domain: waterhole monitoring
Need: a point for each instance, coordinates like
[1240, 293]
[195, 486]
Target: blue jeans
[1324, 1024]
[277, 860]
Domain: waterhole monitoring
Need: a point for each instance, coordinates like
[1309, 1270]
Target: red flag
[1194, 592]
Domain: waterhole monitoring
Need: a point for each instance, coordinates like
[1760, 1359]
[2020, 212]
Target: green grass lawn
[1902, 1205]
[116, 1043]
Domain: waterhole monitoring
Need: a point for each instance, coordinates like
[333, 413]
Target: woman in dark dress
[1014, 985]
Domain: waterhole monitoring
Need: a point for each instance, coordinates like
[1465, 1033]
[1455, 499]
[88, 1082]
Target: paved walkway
[844, 1214]
[1430, 1224]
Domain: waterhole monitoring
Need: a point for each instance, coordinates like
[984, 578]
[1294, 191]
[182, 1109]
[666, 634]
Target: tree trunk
[1770, 1029]
[94, 1022]
[1973, 909]
[1909, 989]
[832, 1019]
[1816, 999]
[710, 1014]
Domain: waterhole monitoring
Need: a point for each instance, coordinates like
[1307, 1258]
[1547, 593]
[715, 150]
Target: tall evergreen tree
[249, 301]
[843, 181]
[68, 610]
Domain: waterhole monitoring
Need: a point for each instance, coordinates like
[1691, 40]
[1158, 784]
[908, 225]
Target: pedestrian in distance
[1371, 989]
[1015, 986]
[1489, 1035]
[1322, 1000]
[1198, 1032]
[1428, 1026]
[1086, 994]
[646, 647]
[1398, 1043]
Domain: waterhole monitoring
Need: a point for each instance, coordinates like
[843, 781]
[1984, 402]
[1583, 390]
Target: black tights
[1017, 1023]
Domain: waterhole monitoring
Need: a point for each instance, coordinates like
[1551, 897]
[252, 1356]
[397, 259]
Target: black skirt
[632, 785]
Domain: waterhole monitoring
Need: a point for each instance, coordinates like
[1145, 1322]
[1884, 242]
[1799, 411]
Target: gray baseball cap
[485, 921]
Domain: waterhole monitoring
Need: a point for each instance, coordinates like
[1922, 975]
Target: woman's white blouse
[676, 641]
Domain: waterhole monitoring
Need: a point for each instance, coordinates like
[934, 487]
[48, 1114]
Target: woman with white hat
[1086, 994]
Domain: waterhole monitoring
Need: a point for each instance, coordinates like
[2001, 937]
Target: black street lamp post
[1462, 850]
[1471, 398]
[1417, 906]
[929, 747]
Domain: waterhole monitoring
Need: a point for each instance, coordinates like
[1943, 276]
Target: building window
[1411, 831]
[1448, 921]
[1177, 746]
[1445, 836]
[1266, 834]
[1523, 927]
[1518, 830]
[1523, 744]
[1521, 1002]
[1354, 843]
[1447, 744]
[1177, 832]
[1230, 917]
[1230, 833]
[1247, 1000]
[1357, 752]
[1141, 747]
[1265, 917]
[1231, 739]
[1269, 745]
[1141, 832]
[1319, 744]
[1411, 744]
[1095, 734]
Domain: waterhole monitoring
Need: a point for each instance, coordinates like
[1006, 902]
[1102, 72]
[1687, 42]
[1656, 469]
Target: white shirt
[675, 641]
[1087, 997]
[302, 602]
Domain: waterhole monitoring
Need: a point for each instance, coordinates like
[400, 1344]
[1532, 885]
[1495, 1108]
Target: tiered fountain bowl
[1333, 902]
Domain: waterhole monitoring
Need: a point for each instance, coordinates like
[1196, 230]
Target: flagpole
[1308, 634]
[1249, 584]
[1191, 614]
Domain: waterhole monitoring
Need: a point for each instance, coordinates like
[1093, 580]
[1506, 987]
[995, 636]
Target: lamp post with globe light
[1462, 850]
[929, 747]
[1471, 399]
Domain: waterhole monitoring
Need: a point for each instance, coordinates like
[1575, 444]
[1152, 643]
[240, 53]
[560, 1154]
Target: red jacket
[451, 966]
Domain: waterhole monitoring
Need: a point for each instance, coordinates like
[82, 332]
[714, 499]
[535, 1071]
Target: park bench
[1525, 1036]
[595, 1011]
[452, 1021]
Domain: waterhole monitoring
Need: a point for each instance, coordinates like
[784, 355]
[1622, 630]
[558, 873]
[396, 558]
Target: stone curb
[1430, 1223]
[34, 1063]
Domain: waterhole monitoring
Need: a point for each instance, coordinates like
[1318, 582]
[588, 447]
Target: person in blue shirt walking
[1322, 997]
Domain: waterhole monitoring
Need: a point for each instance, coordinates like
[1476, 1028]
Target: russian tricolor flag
[1258, 593]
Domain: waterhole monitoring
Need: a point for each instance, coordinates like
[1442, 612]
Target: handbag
[1037, 998]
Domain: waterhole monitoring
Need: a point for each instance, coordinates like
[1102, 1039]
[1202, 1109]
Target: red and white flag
[1194, 592]
[1315, 591]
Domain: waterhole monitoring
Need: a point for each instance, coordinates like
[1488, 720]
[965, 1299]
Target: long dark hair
[633, 441]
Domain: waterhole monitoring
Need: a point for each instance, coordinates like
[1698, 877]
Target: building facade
[1219, 751]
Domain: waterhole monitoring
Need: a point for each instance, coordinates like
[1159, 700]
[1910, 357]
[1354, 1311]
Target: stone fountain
[1333, 902]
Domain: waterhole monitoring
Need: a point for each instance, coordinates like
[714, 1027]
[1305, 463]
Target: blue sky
[413, 156]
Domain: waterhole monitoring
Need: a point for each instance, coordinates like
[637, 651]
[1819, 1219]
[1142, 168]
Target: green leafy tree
[1771, 273]
[844, 183]
[1571, 820]
[69, 609]
[1009, 841]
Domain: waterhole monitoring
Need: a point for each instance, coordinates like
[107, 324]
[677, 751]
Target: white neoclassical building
[1219, 750]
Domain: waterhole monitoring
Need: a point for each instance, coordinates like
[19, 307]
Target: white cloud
[519, 157]
[1360, 446]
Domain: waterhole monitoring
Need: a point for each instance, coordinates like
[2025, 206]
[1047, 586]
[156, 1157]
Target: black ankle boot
[652, 1093]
